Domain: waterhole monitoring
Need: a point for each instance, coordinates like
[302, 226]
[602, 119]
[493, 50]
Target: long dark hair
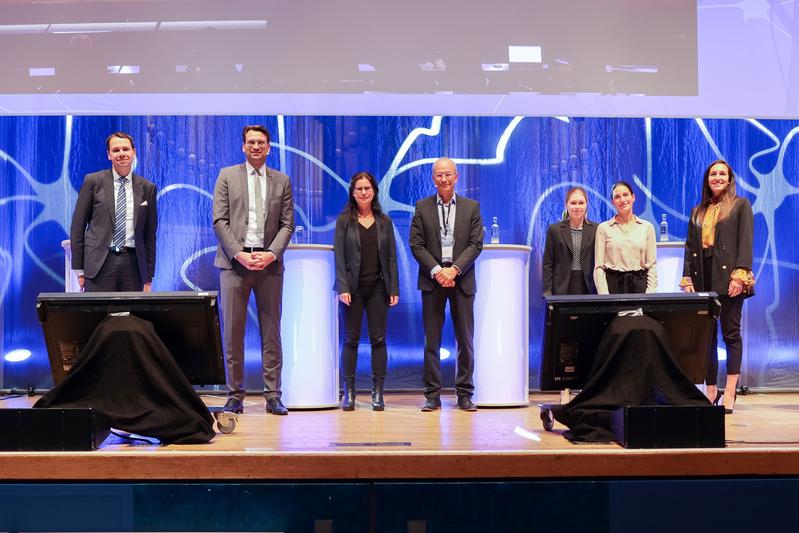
[727, 197]
[352, 205]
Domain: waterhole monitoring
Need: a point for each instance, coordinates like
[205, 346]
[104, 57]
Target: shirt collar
[250, 168]
[117, 175]
[439, 201]
[613, 220]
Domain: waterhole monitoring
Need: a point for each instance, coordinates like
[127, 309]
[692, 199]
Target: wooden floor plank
[404, 443]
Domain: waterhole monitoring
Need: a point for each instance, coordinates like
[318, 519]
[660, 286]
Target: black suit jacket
[558, 253]
[347, 250]
[425, 241]
[732, 248]
[92, 227]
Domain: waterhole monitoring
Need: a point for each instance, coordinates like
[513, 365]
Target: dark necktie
[120, 215]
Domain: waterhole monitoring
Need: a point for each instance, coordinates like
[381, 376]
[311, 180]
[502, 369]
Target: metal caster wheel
[225, 420]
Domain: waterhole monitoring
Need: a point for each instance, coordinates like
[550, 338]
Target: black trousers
[462, 309]
[120, 272]
[633, 282]
[730, 322]
[374, 300]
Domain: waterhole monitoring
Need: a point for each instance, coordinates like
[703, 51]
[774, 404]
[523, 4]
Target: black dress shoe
[547, 418]
[431, 404]
[276, 407]
[465, 404]
[234, 405]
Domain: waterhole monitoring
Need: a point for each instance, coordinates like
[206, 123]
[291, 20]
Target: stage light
[17, 356]
[443, 353]
[41, 71]
[524, 54]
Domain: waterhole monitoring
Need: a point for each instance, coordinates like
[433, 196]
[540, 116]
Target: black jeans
[375, 302]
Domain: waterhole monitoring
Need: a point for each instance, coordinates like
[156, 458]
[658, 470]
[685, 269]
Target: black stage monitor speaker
[574, 325]
[186, 322]
[71, 430]
[669, 426]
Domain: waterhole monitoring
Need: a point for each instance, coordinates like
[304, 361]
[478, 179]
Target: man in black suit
[112, 234]
[253, 220]
[446, 236]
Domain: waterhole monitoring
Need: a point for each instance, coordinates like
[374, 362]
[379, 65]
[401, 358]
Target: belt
[121, 249]
[253, 249]
[446, 264]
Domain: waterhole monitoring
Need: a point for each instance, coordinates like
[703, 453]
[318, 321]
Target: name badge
[447, 243]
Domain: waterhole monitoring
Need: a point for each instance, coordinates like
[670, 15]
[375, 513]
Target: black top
[370, 260]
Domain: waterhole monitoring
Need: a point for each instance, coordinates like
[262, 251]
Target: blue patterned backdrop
[518, 168]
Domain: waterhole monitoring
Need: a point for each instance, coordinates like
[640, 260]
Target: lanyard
[445, 218]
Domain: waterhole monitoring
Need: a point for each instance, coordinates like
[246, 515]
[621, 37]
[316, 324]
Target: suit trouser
[375, 302]
[120, 272]
[462, 311]
[236, 285]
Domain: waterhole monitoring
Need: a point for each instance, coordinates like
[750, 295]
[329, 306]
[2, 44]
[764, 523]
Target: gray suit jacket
[425, 241]
[231, 203]
[92, 225]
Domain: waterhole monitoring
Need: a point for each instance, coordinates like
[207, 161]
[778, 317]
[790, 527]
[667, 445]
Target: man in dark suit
[253, 221]
[112, 234]
[446, 236]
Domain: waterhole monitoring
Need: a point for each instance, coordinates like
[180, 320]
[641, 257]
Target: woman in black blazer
[366, 280]
[718, 257]
[564, 271]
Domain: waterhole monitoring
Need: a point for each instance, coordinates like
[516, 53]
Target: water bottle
[664, 229]
[299, 235]
[495, 232]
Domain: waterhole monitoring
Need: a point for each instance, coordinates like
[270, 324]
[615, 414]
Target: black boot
[348, 400]
[377, 395]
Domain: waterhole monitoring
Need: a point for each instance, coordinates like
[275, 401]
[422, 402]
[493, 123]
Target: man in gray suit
[253, 221]
[113, 228]
[446, 236]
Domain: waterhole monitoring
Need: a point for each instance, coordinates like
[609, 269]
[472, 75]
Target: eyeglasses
[363, 190]
[445, 175]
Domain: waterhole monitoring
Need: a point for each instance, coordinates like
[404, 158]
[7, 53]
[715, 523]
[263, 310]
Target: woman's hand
[736, 288]
[393, 300]
[345, 297]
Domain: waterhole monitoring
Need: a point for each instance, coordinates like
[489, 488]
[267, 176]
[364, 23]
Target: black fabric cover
[633, 365]
[126, 372]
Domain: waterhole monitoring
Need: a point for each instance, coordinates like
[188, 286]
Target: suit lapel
[136, 185]
[379, 228]
[436, 221]
[108, 192]
[244, 190]
[566, 233]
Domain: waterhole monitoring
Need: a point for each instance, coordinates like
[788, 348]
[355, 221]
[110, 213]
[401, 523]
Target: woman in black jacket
[718, 257]
[564, 271]
[366, 280]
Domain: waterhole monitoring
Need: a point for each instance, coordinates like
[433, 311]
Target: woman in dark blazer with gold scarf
[563, 272]
[366, 280]
[718, 257]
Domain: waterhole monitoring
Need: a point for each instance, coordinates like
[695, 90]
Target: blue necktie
[120, 215]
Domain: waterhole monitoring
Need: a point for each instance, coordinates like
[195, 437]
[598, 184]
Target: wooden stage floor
[403, 443]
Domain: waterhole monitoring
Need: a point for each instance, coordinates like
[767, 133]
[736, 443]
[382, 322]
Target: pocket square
[144, 203]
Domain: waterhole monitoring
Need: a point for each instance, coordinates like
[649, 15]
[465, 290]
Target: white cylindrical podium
[309, 328]
[501, 337]
[670, 258]
[70, 279]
